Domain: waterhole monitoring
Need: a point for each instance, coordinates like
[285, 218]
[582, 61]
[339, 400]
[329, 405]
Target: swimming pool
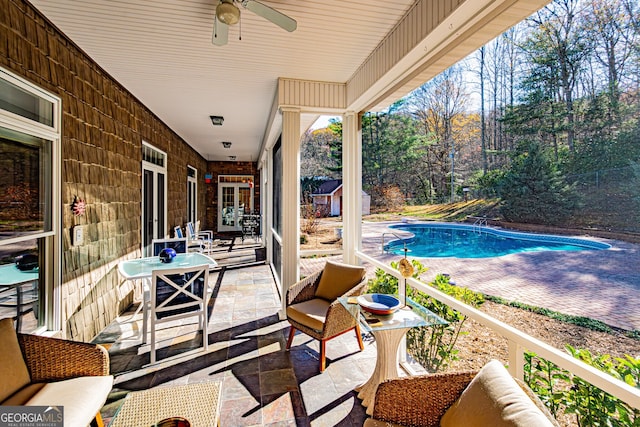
[431, 240]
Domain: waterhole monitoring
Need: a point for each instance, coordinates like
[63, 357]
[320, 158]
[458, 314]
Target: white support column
[351, 186]
[290, 199]
[266, 202]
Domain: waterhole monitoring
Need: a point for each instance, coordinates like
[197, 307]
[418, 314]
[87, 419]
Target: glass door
[192, 195]
[154, 199]
[234, 200]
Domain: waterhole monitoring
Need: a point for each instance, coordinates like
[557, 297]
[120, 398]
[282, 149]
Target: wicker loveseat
[42, 371]
[490, 397]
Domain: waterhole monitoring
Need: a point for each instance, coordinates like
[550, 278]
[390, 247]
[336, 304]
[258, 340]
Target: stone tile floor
[263, 385]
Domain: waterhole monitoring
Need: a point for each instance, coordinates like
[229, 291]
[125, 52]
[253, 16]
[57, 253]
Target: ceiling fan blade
[220, 35]
[270, 14]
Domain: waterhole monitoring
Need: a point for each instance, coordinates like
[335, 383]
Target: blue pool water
[466, 241]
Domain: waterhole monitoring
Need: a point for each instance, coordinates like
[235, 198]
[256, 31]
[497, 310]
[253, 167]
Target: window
[154, 156]
[29, 204]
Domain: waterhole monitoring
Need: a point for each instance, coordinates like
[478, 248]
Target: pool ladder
[480, 221]
[396, 236]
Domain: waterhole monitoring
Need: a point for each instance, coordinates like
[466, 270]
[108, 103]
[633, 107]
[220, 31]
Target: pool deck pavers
[599, 284]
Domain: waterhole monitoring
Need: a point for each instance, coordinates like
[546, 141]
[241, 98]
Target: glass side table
[388, 332]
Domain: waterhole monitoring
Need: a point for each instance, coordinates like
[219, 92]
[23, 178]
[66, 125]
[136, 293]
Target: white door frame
[192, 196]
[236, 204]
[156, 170]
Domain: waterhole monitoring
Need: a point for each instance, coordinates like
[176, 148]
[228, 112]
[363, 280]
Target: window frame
[52, 238]
[192, 199]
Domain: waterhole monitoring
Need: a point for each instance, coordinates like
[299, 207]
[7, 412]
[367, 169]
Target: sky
[323, 122]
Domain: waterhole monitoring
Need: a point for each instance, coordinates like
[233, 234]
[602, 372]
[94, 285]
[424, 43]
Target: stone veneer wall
[103, 126]
[229, 168]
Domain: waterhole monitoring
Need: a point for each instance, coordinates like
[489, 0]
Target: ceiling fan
[227, 13]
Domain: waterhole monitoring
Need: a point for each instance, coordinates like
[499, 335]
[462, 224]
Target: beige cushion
[13, 369]
[81, 398]
[493, 398]
[337, 279]
[311, 313]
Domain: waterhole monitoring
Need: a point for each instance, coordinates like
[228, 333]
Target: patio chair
[46, 371]
[251, 227]
[178, 294]
[204, 238]
[192, 245]
[177, 244]
[209, 234]
[313, 306]
[489, 397]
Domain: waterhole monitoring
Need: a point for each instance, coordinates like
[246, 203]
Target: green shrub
[434, 347]
[546, 380]
[565, 393]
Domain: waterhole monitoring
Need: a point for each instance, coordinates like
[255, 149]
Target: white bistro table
[388, 332]
[12, 277]
[142, 268]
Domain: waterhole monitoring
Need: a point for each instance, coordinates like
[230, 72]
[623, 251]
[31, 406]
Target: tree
[308, 186]
[610, 36]
[483, 136]
[437, 105]
[533, 190]
[315, 154]
[390, 158]
[335, 148]
[557, 49]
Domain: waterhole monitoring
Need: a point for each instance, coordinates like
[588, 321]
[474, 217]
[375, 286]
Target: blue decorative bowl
[167, 255]
[380, 304]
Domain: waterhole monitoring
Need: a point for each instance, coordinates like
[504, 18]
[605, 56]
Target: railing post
[516, 360]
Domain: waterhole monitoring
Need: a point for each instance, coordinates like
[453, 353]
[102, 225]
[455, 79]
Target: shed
[328, 199]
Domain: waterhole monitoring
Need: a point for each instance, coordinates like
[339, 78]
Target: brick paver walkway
[602, 285]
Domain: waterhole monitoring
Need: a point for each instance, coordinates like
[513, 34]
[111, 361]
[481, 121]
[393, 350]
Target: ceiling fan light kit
[227, 13]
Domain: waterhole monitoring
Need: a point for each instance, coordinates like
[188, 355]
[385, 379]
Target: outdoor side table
[199, 403]
[388, 332]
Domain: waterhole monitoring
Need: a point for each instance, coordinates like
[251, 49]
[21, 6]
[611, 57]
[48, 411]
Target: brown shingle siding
[103, 127]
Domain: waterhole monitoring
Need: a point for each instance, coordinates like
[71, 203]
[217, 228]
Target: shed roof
[328, 187]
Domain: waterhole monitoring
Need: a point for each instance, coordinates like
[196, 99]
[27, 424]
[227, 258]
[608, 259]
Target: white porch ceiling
[161, 51]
